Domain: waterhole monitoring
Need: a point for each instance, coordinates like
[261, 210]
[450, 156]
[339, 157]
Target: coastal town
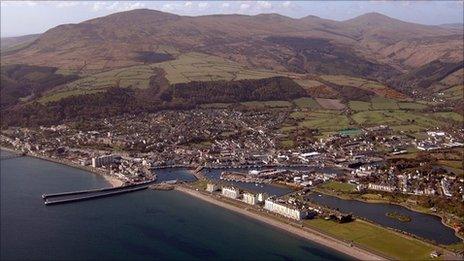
[245, 148]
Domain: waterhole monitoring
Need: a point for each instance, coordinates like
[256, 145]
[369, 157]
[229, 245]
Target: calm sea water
[141, 225]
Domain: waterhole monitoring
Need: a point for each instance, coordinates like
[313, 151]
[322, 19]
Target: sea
[144, 225]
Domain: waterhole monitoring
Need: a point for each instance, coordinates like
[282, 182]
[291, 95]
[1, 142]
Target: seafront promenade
[307, 233]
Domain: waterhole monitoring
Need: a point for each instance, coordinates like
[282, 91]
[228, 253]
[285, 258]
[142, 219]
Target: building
[211, 187]
[386, 188]
[284, 210]
[262, 197]
[250, 198]
[230, 192]
[102, 161]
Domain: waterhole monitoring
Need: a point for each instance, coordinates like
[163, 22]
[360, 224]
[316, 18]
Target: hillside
[149, 55]
[114, 40]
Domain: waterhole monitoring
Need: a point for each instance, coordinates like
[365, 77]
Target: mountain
[14, 43]
[114, 40]
[145, 54]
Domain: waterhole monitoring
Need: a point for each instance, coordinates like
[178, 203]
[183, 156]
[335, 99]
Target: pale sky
[29, 17]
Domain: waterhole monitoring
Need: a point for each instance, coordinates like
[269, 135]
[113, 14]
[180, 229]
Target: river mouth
[422, 225]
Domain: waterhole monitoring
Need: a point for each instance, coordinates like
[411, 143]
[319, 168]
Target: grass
[379, 103]
[287, 144]
[55, 96]
[398, 119]
[456, 164]
[359, 105]
[267, 104]
[454, 116]
[376, 238]
[454, 93]
[187, 67]
[215, 105]
[330, 104]
[411, 106]
[339, 186]
[352, 81]
[307, 103]
[326, 122]
[202, 67]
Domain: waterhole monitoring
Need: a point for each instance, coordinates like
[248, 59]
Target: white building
[211, 187]
[250, 198]
[262, 197]
[386, 188]
[102, 161]
[230, 192]
[284, 210]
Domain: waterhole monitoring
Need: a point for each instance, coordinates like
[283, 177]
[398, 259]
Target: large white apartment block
[283, 210]
[386, 188]
[250, 198]
[102, 161]
[230, 192]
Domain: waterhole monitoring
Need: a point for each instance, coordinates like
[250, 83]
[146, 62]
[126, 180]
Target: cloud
[168, 7]
[264, 5]
[244, 6]
[188, 4]
[18, 3]
[64, 4]
[286, 4]
[225, 5]
[97, 6]
[202, 5]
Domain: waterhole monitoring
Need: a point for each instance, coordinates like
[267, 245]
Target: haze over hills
[149, 49]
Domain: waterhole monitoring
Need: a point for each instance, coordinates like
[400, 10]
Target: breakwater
[81, 195]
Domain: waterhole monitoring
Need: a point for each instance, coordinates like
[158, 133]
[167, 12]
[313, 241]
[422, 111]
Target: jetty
[81, 195]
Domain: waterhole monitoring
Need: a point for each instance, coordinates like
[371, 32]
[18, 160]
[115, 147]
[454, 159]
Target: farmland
[186, 68]
[330, 104]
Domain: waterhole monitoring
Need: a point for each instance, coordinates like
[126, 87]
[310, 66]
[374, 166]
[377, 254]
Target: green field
[267, 104]
[379, 103]
[359, 105]
[325, 122]
[411, 106]
[339, 186]
[352, 81]
[187, 67]
[449, 116]
[307, 103]
[376, 238]
[454, 93]
[399, 119]
[202, 67]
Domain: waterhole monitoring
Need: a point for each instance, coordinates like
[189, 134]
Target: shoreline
[111, 180]
[442, 219]
[308, 233]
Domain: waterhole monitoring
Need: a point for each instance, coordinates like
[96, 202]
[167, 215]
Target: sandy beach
[308, 234]
[113, 181]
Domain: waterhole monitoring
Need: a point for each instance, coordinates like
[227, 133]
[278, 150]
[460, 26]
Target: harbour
[138, 225]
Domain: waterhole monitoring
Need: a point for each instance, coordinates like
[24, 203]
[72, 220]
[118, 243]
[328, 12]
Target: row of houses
[270, 204]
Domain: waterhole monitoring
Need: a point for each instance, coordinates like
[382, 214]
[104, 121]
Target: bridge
[81, 195]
